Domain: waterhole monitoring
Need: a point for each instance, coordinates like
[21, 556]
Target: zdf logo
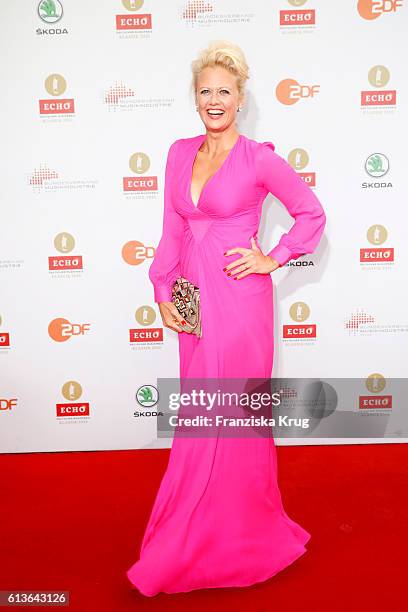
[7, 404]
[289, 91]
[371, 9]
[135, 252]
[62, 330]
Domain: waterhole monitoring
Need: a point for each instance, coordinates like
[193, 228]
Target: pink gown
[218, 518]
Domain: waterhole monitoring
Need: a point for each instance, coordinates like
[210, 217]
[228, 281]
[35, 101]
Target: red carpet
[74, 522]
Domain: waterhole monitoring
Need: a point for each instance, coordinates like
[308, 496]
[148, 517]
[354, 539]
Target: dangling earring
[196, 108]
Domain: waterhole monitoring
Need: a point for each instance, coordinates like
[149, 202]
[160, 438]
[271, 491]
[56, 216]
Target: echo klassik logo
[65, 244]
[297, 17]
[56, 85]
[61, 330]
[375, 384]
[299, 158]
[72, 391]
[139, 163]
[289, 91]
[378, 77]
[131, 23]
[299, 312]
[4, 337]
[372, 9]
[377, 234]
[140, 336]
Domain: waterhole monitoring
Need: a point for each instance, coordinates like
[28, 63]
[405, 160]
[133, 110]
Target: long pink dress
[218, 518]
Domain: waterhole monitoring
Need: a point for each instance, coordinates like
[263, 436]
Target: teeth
[215, 112]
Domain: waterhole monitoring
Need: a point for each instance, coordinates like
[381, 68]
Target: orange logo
[290, 91]
[135, 252]
[7, 404]
[62, 330]
[371, 9]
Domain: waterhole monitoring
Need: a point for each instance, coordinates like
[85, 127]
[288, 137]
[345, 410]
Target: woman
[218, 518]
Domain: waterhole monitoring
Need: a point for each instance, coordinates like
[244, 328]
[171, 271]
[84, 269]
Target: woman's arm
[165, 266]
[280, 179]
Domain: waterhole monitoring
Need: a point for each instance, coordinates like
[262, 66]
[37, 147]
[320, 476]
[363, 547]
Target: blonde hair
[225, 54]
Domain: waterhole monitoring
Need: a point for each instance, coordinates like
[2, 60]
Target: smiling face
[217, 98]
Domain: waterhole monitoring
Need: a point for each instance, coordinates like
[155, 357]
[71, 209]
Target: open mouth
[215, 113]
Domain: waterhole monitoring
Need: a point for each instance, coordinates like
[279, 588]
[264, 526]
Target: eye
[204, 91]
[224, 91]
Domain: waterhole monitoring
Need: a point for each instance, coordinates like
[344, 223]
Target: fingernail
[235, 277]
[183, 322]
[228, 273]
[224, 269]
[225, 253]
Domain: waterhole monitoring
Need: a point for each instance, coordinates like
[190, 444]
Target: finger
[174, 313]
[241, 250]
[244, 273]
[255, 247]
[237, 262]
[174, 327]
[244, 270]
[244, 266]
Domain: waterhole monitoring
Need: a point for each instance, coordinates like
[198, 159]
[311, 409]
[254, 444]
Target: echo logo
[379, 76]
[377, 234]
[297, 17]
[72, 390]
[65, 243]
[55, 85]
[4, 339]
[136, 22]
[299, 312]
[298, 158]
[139, 163]
[375, 383]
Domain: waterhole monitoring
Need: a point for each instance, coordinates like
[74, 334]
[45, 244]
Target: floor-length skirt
[218, 518]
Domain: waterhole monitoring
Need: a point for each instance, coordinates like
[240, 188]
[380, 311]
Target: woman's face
[217, 98]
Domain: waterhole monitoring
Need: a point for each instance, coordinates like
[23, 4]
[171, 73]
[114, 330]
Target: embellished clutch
[186, 298]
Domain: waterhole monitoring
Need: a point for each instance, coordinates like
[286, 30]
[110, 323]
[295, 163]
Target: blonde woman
[218, 518]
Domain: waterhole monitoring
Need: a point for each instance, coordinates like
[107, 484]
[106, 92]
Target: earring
[196, 108]
[239, 109]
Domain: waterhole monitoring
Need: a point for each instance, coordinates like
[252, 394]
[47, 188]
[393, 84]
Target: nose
[214, 96]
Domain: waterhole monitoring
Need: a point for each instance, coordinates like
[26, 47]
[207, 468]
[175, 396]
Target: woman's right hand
[169, 313]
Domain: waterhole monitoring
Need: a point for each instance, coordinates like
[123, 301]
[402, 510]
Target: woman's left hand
[252, 260]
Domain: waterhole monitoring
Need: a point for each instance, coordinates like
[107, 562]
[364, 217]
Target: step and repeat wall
[93, 94]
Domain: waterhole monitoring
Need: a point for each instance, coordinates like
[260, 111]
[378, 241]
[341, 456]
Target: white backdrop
[93, 94]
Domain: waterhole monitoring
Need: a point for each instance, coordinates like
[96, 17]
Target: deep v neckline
[196, 150]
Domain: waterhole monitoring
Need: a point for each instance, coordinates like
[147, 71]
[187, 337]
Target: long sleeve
[165, 266]
[280, 179]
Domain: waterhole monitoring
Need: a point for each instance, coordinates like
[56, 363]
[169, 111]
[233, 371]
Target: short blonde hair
[225, 54]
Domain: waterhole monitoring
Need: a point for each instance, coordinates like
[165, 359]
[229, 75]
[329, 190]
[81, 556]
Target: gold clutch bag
[186, 298]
